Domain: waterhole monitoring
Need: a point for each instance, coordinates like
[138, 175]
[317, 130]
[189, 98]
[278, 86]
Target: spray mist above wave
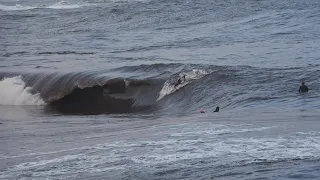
[14, 92]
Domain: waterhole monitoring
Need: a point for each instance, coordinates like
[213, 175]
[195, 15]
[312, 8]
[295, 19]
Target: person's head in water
[217, 109]
[302, 83]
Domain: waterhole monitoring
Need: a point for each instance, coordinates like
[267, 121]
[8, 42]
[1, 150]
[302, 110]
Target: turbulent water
[88, 89]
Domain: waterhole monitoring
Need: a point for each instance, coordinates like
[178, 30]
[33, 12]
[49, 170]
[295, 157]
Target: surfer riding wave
[180, 80]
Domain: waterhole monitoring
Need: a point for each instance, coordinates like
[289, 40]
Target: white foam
[16, 7]
[169, 88]
[217, 131]
[64, 5]
[125, 155]
[40, 163]
[14, 92]
[232, 150]
[58, 5]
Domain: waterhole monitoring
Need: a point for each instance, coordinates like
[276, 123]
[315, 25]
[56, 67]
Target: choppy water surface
[87, 89]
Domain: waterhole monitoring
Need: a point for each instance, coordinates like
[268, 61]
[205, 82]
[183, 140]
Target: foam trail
[59, 5]
[14, 92]
[16, 7]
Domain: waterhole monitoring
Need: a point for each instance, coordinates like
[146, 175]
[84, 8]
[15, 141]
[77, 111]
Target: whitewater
[89, 89]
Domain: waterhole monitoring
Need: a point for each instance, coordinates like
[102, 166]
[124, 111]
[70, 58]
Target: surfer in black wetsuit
[217, 109]
[303, 88]
[179, 80]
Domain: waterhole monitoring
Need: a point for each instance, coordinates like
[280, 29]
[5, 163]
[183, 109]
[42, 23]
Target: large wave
[154, 88]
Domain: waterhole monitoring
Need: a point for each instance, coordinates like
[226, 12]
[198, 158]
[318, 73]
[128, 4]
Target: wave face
[203, 87]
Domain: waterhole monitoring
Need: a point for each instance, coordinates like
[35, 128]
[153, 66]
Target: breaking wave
[150, 88]
[14, 92]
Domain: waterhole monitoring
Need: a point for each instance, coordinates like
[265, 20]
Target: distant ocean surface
[88, 89]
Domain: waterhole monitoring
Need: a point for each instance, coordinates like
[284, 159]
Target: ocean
[88, 89]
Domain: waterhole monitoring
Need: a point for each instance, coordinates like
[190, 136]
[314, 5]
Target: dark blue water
[87, 89]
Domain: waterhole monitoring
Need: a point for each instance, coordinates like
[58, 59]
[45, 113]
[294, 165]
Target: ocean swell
[153, 89]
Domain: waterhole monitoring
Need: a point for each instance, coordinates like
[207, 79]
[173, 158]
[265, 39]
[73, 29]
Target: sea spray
[14, 92]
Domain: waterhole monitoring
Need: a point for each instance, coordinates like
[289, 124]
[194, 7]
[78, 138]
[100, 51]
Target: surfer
[179, 80]
[303, 88]
[217, 109]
